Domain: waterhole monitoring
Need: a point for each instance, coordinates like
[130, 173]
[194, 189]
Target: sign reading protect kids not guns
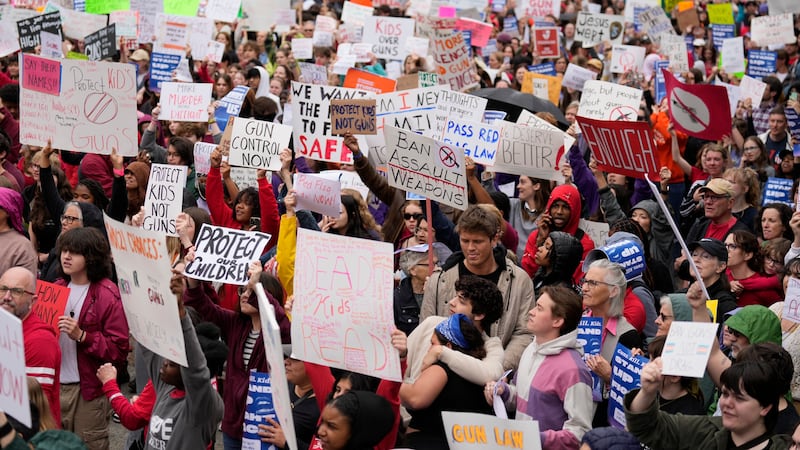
[342, 316]
[223, 254]
[143, 269]
[426, 167]
[93, 111]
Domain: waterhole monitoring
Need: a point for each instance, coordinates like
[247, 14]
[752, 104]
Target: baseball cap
[139, 55]
[595, 63]
[718, 186]
[714, 247]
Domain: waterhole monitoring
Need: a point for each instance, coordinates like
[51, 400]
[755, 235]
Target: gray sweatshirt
[183, 420]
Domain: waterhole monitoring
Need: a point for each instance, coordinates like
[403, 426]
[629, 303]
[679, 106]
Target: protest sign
[721, 13]
[413, 110]
[427, 167]
[50, 45]
[271, 333]
[77, 24]
[627, 58]
[719, 33]
[480, 31]
[479, 140]
[655, 23]
[538, 8]
[634, 6]
[313, 74]
[257, 143]
[473, 431]
[688, 19]
[778, 190]
[407, 82]
[451, 54]
[14, 395]
[126, 23]
[791, 305]
[162, 65]
[202, 157]
[388, 35]
[28, 29]
[181, 7]
[546, 42]
[223, 10]
[185, 102]
[347, 180]
[223, 254]
[284, 20]
[687, 348]
[318, 194]
[608, 101]
[626, 371]
[258, 408]
[428, 79]
[302, 48]
[793, 122]
[590, 331]
[691, 108]
[354, 13]
[101, 44]
[761, 63]
[622, 147]
[9, 43]
[343, 314]
[147, 11]
[343, 64]
[230, 105]
[625, 252]
[50, 304]
[772, 30]
[312, 125]
[534, 152]
[661, 86]
[592, 29]
[547, 68]
[417, 46]
[753, 89]
[41, 74]
[368, 81]
[733, 55]
[598, 231]
[534, 121]
[144, 271]
[95, 111]
[214, 51]
[164, 198]
[172, 34]
[454, 105]
[783, 6]
[575, 77]
[674, 48]
[356, 116]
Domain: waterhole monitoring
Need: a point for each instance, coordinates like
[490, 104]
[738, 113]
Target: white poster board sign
[319, 194]
[627, 58]
[185, 102]
[687, 348]
[202, 157]
[164, 198]
[752, 88]
[534, 152]
[479, 140]
[463, 430]
[576, 76]
[256, 143]
[733, 55]
[772, 30]
[223, 254]
[388, 35]
[14, 395]
[608, 101]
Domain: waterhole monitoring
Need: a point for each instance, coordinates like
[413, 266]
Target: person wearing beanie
[356, 420]
[137, 175]
[557, 257]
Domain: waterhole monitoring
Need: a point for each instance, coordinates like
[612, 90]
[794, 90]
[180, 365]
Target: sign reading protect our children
[223, 254]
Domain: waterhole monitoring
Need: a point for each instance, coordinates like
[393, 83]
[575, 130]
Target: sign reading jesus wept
[93, 112]
[622, 147]
[530, 151]
[223, 254]
[426, 167]
[311, 121]
[343, 315]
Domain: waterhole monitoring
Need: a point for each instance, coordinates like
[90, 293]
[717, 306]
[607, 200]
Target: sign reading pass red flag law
[627, 148]
[698, 110]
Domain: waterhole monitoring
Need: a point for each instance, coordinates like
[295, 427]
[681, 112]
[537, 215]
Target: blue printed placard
[761, 63]
[793, 122]
[628, 254]
[661, 83]
[626, 371]
[720, 32]
[161, 67]
[230, 105]
[259, 407]
[510, 25]
[590, 336]
[491, 116]
[548, 68]
[778, 190]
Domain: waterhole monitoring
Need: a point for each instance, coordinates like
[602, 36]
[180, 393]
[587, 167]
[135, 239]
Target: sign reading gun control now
[223, 254]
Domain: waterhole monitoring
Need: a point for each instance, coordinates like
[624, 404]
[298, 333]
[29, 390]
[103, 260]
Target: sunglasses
[409, 216]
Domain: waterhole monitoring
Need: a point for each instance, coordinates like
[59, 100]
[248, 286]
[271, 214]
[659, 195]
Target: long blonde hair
[36, 396]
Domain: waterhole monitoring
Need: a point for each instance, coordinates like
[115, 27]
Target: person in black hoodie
[557, 257]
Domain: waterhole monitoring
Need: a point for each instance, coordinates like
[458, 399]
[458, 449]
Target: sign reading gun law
[14, 395]
[343, 313]
[143, 268]
[94, 112]
[256, 143]
[472, 431]
[355, 116]
[622, 147]
[426, 167]
[311, 121]
[535, 152]
[223, 254]
[164, 199]
[51, 301]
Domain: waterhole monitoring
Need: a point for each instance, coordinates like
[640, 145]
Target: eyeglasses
[594, 283]
[409, 216]
[16, 293]
[731, 247]
[664, 317]
[69, 219]
[714, 198]
[773, 262]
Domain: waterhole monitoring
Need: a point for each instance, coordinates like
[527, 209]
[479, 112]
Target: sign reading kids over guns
[356, 116]
[343, 315]
[223, 254]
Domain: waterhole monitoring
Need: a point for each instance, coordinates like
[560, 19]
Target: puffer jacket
[565, 256]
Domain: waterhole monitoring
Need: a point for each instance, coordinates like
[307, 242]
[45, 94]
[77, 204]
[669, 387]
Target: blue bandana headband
[450, 328]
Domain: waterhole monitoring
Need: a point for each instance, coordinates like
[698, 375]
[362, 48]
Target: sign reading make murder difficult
[622, 147]
[311, 121]
[185, 102]
[164, 198]
[223, 254]
[143, 269]
[426, 167]
[342, 316]
[525, 150]
[256, 143]
[93, 111]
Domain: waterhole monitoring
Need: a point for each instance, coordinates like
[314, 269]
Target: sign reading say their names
[318, 194]
[473, 431]
[223, 254]
[164, 198]
[687, 348]
[256, 143]
[622, 147]
[530, 151]
[356, 116]
[95, 111]
[143, 269]
[608, 101]
[427, 167]
[343, 314]
[51, 302]
[14, 395]
[41, 74]
[479, 140]
[185, 102]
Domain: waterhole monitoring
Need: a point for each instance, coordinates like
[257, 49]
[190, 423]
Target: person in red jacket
[563, 213]
[42, 353]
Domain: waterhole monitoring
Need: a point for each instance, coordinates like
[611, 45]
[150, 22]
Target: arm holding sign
[676, 152]
[582, 177]
[157, 153]
[608, 201]
[287, 244]
[118, 206]
[474, 184]
[374, 181]
[794, 250]
[55, 204]
[717, 361]
[220, 211]
[270, 218]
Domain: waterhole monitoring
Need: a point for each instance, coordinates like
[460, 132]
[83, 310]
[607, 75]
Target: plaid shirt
[761, 117]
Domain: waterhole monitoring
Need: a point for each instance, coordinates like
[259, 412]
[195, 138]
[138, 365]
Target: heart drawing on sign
[615, 30]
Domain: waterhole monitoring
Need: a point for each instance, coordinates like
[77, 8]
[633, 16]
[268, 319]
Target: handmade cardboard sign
[772, 30]
[687, 348]
[318, 194]
[608, 101]
[534, 152]
[51, 302]
[356, 116]
[164, 198]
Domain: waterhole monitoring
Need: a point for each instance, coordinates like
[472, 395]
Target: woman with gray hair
[408, 294]
[603, 296]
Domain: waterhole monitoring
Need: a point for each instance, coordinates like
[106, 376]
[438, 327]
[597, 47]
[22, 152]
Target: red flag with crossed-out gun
[699, 110]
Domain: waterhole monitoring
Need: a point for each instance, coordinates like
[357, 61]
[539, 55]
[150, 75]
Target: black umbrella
[513, 102]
